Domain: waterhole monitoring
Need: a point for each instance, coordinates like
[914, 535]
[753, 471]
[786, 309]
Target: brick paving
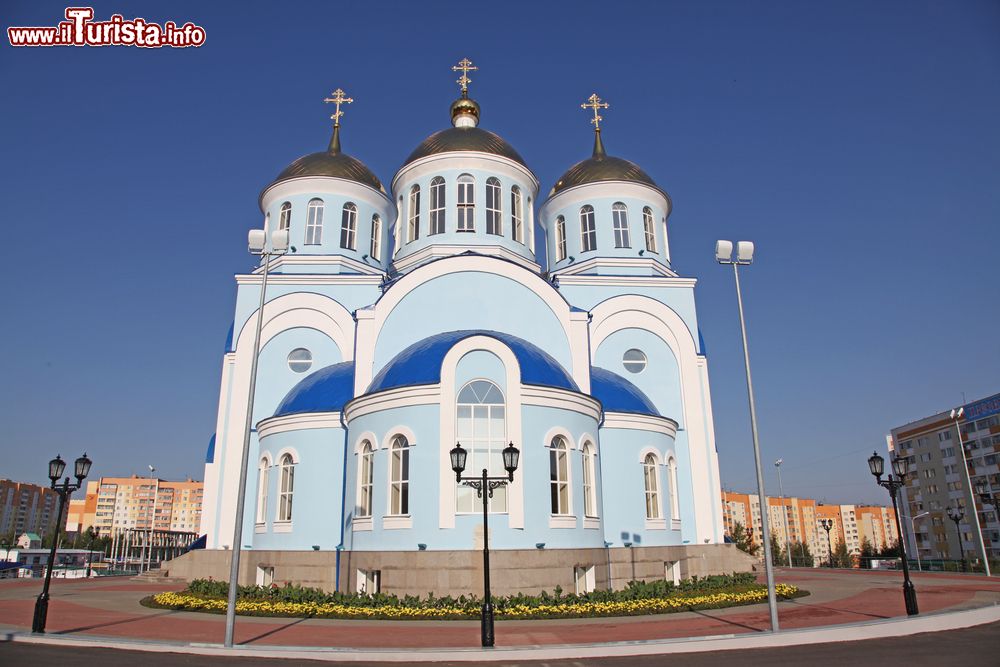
[110, 607]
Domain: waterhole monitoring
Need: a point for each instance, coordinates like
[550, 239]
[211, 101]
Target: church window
[619, 216]
[366, 476]
[482, 429]
[376, 237]
[560, 238]
[399, 476]
[516, 215]
[413, 223]
[647, 224]
[437, 205]
[349, 227]
[466, 203]
[262, 490]
[287, 466]
[672, 477]
[285, 219]
[314, 222]
[634, 360]
[652, 483]
[589, 488]
[494, 219]
[559, 475]
[588, 232]
[300, 360]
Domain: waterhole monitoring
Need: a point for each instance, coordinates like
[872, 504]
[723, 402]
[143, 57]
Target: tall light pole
[900, 466]
[913, 532]
[784, 512]
[484, 486]
[956, 514]
[956, 416]
[828, 526]
[744, 256]
[81, 468]
[257, 242]
[152, 524]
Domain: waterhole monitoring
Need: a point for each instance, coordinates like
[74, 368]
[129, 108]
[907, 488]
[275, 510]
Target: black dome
[465, 139]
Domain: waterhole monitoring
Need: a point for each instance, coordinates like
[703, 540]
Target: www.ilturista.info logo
[79, 29]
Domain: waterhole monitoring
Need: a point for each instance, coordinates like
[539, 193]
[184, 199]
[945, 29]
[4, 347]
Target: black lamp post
[81, 469]
[900, 466]
[956, 514]
[828, 526]
[484, 486]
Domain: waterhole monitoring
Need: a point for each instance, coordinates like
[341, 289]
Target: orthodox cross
[337, 98]
[464, 66]
[595, 103]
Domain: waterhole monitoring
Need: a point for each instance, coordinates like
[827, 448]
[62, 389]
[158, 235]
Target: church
[460, 304]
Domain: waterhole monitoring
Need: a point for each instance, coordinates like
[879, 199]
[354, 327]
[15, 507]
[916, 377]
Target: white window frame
[560, 238]
[366, 479]
[588, 229]
[560, 487]
[585, 578]
[651, 487]
[398, 481]
[619, 220]
[466, 202]
[349, 226]
[474, 445]
[649, 227]
[413, 215]
[675, 505]
[368, 582]
[286, 488]
[376, 238]
[438, 204]
[285, 216]
[494, 206]
[314, 222]
[516, 214]
[589, 480]
[262, 482]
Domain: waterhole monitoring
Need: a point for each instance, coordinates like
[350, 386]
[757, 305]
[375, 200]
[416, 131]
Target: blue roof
[229, 337]
[326, 390]
[617, 394]
[420, 363]
[210, 454]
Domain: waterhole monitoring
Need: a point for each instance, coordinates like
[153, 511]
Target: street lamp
[828, 526]
[900, 466]
[956, 415]
[784, 512]
[81, 468]
[956, 514]
[484, 486]
[257, 242]
[913, 532]
[744, 256]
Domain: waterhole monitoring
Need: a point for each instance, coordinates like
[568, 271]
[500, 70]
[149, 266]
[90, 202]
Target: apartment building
[114, 504]
[933, 447]
[27, 508]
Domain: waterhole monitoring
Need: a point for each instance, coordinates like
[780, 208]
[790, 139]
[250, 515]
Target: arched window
[413, 222]
[366, 475]
[376, 238]
[647, 225]
[397, 231]
[619, 218]
[589, 488]
[285, 219]
[652, 482]
[262, 490]
[481, 427]
[516, 215]
[349, 227]
[559, 476]
[437, 205]
[560, 238]
[314, 222]
[494, 216]
[466, 203]
[399, 476]
[286, 488]
[588, 232]
[675, 508]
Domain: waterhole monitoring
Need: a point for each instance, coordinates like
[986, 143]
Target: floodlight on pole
[957, 414]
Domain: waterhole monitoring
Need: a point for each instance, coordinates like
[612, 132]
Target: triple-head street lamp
[484, 485]
[828, 526]
[900, 466]
[956, 514]
[81, 468]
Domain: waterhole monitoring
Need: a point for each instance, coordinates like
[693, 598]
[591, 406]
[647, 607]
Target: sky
[855, 143]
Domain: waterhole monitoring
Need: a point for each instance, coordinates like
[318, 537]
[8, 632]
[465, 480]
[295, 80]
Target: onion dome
[601, 167]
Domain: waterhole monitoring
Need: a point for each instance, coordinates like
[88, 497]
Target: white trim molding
[439, 250]
[629, 420]
[370, 437]
[562, 521]
[394, 522]
[399, 429]
[298, 422]
[560, 431]
[361, 523]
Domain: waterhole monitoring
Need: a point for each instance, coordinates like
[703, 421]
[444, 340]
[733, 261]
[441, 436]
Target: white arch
[370, 437]
[646, 451]
[405, 431]
[560, 431]
[585, 438]
[291, 451]
[301, 309]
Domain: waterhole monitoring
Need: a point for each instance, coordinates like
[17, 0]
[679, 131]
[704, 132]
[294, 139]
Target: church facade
[460, 305]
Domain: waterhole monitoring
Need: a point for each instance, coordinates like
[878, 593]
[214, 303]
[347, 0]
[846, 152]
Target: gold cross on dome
[464, 66]
[337, 98]
[595, 103]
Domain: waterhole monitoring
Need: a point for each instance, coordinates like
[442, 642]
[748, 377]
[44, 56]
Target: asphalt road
[979, 646]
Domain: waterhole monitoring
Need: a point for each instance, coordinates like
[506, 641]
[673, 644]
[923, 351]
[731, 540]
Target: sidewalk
[109, 608]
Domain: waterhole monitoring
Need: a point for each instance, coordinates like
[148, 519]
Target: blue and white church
[457, 306]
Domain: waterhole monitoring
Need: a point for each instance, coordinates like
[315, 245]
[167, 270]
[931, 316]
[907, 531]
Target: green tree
[778, 556]
[801, 555]
[867, 553]
[890, 550]
[741, 538]
[841, 556]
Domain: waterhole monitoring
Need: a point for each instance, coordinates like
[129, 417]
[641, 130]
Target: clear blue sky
[857, 143]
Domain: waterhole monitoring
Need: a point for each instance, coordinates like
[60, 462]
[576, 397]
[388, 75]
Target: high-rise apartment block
[27, 508]
[114, 504]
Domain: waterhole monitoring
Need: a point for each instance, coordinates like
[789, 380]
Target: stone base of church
[456, 573]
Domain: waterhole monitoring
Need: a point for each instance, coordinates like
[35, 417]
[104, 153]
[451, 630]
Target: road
[978, 646]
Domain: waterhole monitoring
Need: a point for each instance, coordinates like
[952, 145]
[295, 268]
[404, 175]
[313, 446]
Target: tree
[867, 553]
[890, 550]
[841, 556]
[801, 555]
[777, 553]
[741, 538]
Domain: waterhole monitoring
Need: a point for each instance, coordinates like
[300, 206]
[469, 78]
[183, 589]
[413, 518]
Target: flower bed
[637, 599]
